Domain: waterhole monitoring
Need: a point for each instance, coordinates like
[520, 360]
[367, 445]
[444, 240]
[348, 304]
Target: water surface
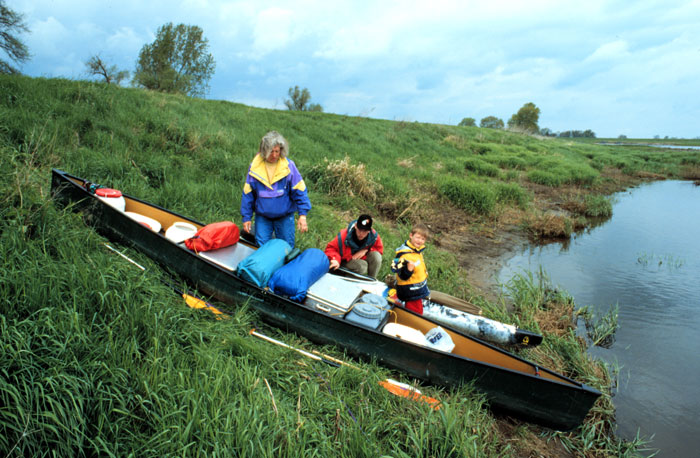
[645, 259]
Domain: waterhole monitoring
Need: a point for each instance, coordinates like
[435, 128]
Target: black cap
[364, 222]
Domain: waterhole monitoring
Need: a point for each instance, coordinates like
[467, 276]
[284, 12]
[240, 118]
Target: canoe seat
[228, 257]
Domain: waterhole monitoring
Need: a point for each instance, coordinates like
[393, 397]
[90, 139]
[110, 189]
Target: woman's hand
[301, 224]
[246, 226]
[334, 264]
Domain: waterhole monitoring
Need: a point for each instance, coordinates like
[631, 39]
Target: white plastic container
[112, 197]
[439, 339]
[180, 231]
[405, 333]
[145, 220]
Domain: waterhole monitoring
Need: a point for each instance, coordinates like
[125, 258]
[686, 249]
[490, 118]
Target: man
[357, 248]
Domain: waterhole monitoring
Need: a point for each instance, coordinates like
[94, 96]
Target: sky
[616, 67]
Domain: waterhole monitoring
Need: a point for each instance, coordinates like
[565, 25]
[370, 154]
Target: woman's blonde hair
[270, 140]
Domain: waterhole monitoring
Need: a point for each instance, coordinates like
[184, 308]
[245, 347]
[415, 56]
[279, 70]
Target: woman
[274, 190]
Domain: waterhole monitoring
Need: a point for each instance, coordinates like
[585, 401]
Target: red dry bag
[213, 236]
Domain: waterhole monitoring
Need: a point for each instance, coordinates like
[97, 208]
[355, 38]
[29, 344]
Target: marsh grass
[601, 330]
[552, 312]
[669, 261]
[473, 197]
[550, 226]
[101, 359]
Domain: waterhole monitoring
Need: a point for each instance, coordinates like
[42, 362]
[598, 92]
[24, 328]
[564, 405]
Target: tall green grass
[99, 358]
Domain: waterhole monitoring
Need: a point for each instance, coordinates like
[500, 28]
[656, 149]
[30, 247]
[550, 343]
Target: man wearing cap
[357, 248]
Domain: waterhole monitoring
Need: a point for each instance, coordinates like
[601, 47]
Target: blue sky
[615, 67]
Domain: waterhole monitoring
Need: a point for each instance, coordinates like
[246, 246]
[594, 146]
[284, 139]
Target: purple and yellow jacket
[286, 194]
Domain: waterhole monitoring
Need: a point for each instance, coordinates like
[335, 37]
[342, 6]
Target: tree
[526, 118]
[177, 61]
[299, 100]
[491, 122]
[97, 67]
[468, 122]
[12, 24]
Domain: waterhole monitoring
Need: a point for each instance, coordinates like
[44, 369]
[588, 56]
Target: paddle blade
[197, 303]
[403, 390]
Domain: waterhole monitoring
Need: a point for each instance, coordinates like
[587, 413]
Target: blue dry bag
[294, 279]
[259, 266]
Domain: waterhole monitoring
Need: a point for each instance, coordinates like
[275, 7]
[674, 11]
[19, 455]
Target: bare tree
[11, 24]
[97, 67]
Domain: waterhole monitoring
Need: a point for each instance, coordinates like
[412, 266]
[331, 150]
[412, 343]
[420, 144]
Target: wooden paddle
[392, 386]
[454, 302]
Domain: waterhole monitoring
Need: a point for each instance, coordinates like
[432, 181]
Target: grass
[99, 358]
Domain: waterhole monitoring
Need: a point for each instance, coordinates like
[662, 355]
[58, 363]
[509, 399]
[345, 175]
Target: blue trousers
[282, 228]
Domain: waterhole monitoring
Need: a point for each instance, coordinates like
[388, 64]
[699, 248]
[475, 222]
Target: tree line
[525, 120]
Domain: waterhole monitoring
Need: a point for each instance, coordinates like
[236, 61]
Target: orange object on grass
[403, 390]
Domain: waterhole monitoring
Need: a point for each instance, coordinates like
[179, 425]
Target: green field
[100, 358]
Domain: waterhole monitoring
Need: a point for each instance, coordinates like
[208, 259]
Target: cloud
[273, 31]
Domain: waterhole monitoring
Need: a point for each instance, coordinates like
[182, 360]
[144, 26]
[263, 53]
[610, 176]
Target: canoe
[440, 308]
[510, 384]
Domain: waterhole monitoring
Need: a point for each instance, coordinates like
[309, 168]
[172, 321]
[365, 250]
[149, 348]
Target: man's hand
[334, 264]
[246, 226]
[360, 254]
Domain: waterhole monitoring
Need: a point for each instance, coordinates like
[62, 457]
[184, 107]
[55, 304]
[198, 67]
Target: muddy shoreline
[483, 247]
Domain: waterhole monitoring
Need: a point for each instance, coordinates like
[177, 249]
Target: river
[645, 259]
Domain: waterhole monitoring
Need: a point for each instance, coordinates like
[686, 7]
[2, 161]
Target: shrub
[340, 177]
[481, 167]
[476, 198]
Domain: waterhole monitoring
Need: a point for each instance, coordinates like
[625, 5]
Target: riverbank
[483, 245]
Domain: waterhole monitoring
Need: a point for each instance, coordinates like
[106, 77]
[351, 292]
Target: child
[410, 269]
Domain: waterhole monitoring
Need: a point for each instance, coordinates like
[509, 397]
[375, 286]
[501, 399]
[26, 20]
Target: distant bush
[481, 167]
[475, 198]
